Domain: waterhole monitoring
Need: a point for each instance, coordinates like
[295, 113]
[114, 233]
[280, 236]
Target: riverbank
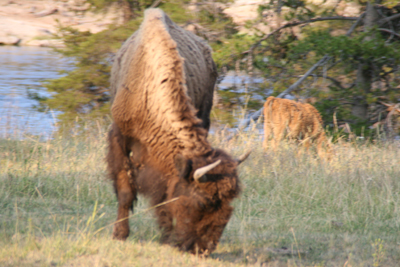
[34, 22]
[23, 71]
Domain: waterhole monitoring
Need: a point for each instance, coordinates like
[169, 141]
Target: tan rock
[43, 43]
[9, 40]
[32, 20]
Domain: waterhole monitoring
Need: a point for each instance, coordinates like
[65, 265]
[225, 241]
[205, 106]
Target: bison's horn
[203, 170]
[243, 157]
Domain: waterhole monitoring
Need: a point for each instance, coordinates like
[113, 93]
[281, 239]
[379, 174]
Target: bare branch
[258, 113]
[244, 123]
[322, 61]
[353, 27]
[296, 23]
[389, 22]
[308, 73]
[389, 31]
[333, 80]
[155, 3]
[387, 19]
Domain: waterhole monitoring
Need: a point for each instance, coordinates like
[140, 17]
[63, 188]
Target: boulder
[9, 40]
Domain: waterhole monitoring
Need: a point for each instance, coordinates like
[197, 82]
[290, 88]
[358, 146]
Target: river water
[22, 71]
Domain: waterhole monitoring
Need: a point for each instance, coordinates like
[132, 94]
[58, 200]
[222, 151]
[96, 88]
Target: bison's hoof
[120, 233]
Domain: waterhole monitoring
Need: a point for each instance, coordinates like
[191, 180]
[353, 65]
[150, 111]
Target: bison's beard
[188, 217]
[192, 228]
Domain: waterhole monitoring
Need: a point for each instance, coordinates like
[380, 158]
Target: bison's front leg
[126, 196]
[123, 174]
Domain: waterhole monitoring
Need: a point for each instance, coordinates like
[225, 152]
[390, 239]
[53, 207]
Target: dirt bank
[33, 22]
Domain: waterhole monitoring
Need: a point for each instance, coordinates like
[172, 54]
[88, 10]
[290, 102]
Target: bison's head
[205, 189]
[213, 174]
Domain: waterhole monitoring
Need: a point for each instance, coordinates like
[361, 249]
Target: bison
[283, 117]
[162, 83]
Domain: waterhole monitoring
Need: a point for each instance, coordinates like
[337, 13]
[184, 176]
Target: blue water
[23, 70]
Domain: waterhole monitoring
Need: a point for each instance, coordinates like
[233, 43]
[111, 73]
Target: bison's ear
[183, 165]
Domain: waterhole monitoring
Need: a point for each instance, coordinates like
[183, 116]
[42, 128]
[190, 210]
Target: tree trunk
[127, 10]
[364, 80]
[364, 71]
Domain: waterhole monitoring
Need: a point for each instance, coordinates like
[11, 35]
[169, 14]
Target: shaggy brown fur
[283, 117]
[162, 85]
[196, 220]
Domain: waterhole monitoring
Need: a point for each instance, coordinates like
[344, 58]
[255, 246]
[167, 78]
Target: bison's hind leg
[123, 174]
[267, 134]
[279, 132]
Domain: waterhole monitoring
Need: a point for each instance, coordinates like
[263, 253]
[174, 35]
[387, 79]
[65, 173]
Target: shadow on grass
[263, 256]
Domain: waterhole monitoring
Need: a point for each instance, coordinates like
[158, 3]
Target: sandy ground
[25, 22]
[33, 22]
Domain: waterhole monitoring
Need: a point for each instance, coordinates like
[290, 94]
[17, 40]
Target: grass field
[57, 207]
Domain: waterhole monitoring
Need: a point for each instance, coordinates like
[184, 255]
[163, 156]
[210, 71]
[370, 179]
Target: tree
[361, 68]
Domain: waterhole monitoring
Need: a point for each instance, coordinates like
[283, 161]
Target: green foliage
[369, 47]
[230, 49]
[101, 4]
[294, 9]
[104, 4]
[379, 252]
[390, 3]
[85, 88]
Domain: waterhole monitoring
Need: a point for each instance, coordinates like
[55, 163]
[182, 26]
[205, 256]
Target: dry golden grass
[296, 209]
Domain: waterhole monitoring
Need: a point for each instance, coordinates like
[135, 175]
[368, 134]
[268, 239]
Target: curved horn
[203, 170]
[243, 157]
